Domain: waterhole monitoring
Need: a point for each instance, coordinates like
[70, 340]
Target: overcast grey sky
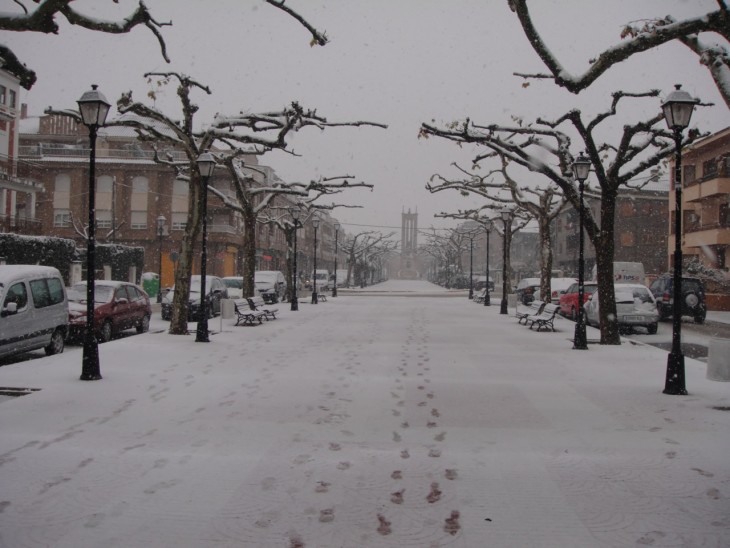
[400, 62]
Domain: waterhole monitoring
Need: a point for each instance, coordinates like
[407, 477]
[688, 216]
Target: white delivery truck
[625, 273]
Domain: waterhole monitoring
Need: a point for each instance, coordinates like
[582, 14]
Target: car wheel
[700, 318]
[105, 335]
[56, 344]
[166, 315]
[652, 328]
[144, 325]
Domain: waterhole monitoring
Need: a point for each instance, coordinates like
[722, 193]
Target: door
[18, 332]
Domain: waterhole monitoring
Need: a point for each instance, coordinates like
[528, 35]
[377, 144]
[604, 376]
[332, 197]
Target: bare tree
[543, 204]
[243, 133]
[43, 19]
[357, 248]
[255, 198]
[642, 36]
[641, 146]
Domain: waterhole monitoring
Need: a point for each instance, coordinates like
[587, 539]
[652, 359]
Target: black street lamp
[337, 229]
[581, 168]
[206, 164]
[677, 108]
[295, 212]
[315, 224]
[488, 230]
[471, 265]
[94, 108]
[506, 215]
[160, 233]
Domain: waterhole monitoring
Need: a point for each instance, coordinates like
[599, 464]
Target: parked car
[635, 307]
[322, 280]
[569, 300]
[234, 284]
[341, 277]
[480, 282]
[34, 310]
[558, 286]
[215, 290]
[526, 290]
[270, 284]
[118, 306]
[693, 297]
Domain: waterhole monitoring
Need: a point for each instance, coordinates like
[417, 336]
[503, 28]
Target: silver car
[635, 307]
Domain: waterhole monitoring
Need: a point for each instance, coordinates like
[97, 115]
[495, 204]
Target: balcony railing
[20, 225]
[49, 151]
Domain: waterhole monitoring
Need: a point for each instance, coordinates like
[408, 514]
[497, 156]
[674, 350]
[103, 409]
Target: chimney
[23, 111]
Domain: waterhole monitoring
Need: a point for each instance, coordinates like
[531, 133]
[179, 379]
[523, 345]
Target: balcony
[702, 189]
[44, 151]
[20, 225]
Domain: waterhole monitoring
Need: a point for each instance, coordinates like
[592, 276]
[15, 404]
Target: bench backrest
[240, 304]
[539, 306]
[551, 309]
[255, 302]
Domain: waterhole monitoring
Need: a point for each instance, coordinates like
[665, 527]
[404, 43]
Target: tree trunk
[546, 257]
[179, 321]
[604, 247]
[249, 251]
[289, 236]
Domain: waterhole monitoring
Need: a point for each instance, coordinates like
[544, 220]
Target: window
[62, 200]
[627, 239]
[688, 174]
[179, 205]
[104, 192]
[3, 94]
[709, 169]
[140, 193]
[16, 294]
[46, 292]
[12, 99]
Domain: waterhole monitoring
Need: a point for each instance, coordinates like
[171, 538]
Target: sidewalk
[364, 422]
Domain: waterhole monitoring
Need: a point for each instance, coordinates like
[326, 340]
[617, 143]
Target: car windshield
[102, 294]
[264, 277]
[233, 283]
[632, 295]
[691, 285]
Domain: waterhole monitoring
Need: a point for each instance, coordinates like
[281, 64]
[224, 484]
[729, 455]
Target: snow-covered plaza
[402, 418]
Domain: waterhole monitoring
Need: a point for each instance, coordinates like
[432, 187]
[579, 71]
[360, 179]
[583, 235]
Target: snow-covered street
[379, 419]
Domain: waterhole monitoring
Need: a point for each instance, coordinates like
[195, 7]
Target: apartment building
[705, 201]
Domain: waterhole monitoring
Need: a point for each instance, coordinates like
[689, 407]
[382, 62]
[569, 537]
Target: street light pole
[206, 164]
[488, 229]
[160, 233]
[506, 220]
[677, 108]
[337, 229]
[295, 212]
[581, 168]
[315, 224]
[471, 266]
[94, 108]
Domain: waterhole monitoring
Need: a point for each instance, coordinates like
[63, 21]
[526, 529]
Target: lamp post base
[487, 301]
[503, 306]
[90, 370]
[580, 341]
[294, 303]
[674, 384]
[314, 297]
[334, 291]
[201, 334]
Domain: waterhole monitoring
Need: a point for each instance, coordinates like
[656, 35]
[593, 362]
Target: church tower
[409, 263]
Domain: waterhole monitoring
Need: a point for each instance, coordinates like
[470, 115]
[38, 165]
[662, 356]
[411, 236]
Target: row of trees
[544, 147]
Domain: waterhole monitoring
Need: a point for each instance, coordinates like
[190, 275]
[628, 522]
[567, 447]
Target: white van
[33, 309]
[625, 273]
[270, 284]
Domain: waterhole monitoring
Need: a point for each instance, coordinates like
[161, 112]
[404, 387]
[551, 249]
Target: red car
[569, 299]
[117, 306]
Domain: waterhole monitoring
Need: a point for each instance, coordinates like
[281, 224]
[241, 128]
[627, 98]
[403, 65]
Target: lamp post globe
[160, 233]
[295, 212]
[206, 164]
[677, 109]
[315, 225]
[506, 215]
[581, 169]
[93, 108]
[488, 229]
[337, 230]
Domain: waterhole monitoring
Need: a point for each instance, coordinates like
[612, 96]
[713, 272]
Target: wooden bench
[545, 318]
[533, 309]
[258, 305]
[245, 315]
